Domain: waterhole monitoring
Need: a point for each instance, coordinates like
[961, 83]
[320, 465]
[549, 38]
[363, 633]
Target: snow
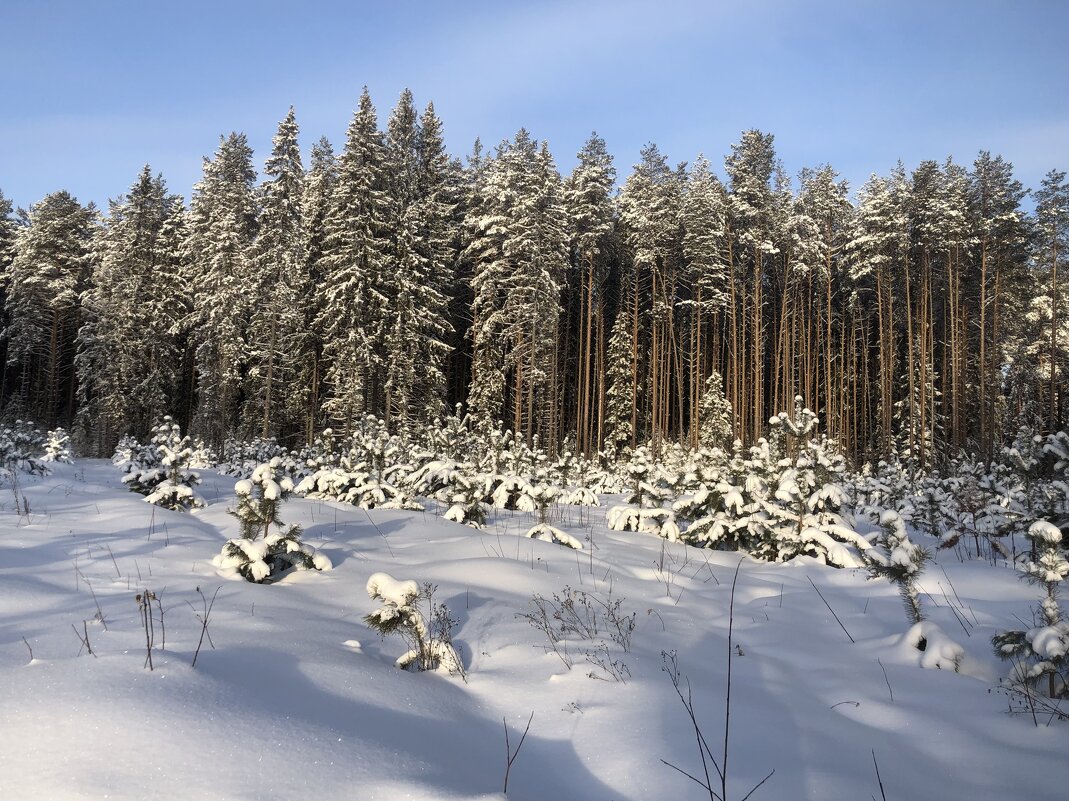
[299, 697]
[387, 588]
[1043, 531]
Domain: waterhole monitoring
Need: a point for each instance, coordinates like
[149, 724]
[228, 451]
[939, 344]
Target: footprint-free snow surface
[299, 699]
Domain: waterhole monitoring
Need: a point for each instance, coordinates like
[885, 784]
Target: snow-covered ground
[300, 699]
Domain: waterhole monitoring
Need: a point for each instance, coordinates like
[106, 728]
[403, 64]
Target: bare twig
[509, 753]
[28, 648]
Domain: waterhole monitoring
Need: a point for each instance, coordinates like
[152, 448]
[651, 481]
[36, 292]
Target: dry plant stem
[374, 525]
[703, 747]
[509, 753]
[204, 616]
[837, 620]
[890, 692]
[876, 764]
[83, 638]
[28, 648]
[144, 606]
[118, 574]
[163, 628]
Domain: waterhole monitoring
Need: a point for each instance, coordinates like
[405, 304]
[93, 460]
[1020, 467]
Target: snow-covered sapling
[1041, 651]
[643, 511]
[175, 489]
[266, 547]
[430, 643]
[58, 447]
[160, 470]
[899, 560]
[541, 494]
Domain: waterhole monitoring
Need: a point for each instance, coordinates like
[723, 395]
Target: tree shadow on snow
[427, 724]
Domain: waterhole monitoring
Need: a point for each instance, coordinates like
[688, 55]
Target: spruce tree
[619, 401]
[420, 256]
[222, 227]
[45, 280]
[353, 306]
[129, 361]
[435, 209]
[315, 205]
[277, 344]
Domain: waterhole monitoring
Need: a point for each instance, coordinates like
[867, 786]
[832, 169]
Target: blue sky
[93, 90]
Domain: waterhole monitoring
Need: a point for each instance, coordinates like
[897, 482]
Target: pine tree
[703, 214]
[277, 343]
[8, 232]
[518, 246]
[1052, 249]
[44, 282]
[589, 206]
[822, 227]
[995, 200]
[649, 217]
[222, 227]
[1042, 650]
[876, 251]
[758, 221]
[266, 547]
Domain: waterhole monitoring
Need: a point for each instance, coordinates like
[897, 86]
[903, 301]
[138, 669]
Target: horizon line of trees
[396, 280]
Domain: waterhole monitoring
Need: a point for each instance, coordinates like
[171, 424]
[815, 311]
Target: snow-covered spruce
[22, 448]
[1042, 650]
[937, 650]
[542, 494]
[358, 488]
[161, 471]
[430, 645]
[899, 560]
[651, 521]
[266, 548]
[649, 490]
[58, 447]
[454, 484]
[804, 507]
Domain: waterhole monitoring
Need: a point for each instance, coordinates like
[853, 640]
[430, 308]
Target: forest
[617, 459]
[917, 315]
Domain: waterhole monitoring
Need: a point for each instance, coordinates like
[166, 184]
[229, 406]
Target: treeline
[393, 279]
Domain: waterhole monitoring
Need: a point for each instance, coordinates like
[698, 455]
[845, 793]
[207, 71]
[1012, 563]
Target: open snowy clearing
[299, 696]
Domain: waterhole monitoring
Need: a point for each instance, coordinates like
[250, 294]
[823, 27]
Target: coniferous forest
[919, 315]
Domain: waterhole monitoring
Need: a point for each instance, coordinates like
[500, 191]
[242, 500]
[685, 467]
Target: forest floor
[298, 698]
